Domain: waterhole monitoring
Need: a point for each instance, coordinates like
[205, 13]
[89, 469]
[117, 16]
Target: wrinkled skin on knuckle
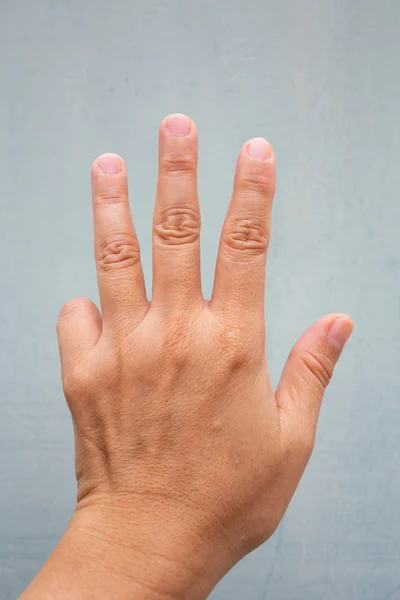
[103, 200]
[320, 365]
[245, 239]
[177, 226]
[119, 252]
[259, 182]
[178, 164]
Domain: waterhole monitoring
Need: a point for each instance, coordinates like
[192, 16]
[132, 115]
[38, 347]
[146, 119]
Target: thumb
[310, 366]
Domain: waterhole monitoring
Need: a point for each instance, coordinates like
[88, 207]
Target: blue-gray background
[320, 79]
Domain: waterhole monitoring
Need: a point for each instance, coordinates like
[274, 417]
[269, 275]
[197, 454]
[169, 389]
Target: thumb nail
[339, 332]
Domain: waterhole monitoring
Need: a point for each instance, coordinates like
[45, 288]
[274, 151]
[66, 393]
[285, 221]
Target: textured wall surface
[320, 80]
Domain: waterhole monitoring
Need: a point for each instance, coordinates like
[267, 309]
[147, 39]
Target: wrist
[156, 542]
[114, 549]
[149, 553]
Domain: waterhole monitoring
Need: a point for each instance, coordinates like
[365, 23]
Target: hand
[186, 458]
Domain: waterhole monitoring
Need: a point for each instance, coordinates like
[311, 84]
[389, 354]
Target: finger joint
[319, 365]
[246, 238]
[256, 183]
[118, 253]
[177, 164]
[106, 199]
[178, 226]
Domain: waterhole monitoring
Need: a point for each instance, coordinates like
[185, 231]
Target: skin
[186, 458]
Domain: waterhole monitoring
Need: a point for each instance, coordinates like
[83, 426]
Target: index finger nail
[110, 164]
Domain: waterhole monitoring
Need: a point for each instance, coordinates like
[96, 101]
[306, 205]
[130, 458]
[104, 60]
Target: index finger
[240, 271]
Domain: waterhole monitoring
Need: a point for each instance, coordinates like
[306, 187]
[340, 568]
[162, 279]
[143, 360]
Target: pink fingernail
[339, 332]
[110, 164]
[178, 125]
[259, 149]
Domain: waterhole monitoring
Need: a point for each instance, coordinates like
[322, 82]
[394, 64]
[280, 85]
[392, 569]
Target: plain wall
[320, 79]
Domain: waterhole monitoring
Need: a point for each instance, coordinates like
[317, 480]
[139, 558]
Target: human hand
[185, 455]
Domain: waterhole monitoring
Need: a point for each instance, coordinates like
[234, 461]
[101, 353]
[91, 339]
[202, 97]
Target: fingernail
[259, 149]
[110, 164]
[178, 125]
[339, 332]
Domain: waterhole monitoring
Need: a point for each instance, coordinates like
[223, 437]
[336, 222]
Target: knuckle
[176, 348]
[118, 252]
[180, 355]
[176, 352]
[256, 183]
[76, 382]
[246, 238]
[178, 226]
[180, 163]
[71, 308]
[112, 197]
[319, 365]
[85, 379]
[238, 348]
